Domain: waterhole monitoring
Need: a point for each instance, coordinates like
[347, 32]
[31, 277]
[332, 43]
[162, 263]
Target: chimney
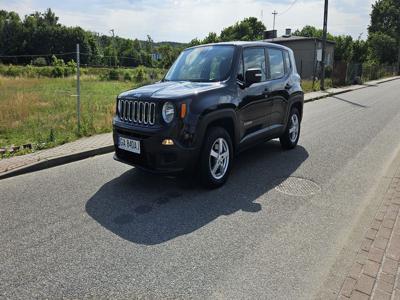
[288, 32]
[270, 34]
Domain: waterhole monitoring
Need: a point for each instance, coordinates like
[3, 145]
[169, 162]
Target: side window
[276, 64]
[255, 58]
[288, 65]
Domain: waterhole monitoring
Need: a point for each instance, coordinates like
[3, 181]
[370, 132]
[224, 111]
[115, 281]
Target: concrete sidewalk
[375, 273]
[336, 91]
[102, 143]
[79, 149]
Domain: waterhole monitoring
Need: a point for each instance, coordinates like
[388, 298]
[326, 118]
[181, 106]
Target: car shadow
[149, 209]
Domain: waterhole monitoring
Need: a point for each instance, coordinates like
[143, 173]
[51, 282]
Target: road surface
[98, 228]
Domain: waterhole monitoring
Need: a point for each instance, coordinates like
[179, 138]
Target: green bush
[113, 74]
[39, 62]
[139, 74]
[127, 76]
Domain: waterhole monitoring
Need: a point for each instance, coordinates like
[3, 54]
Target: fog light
[167, 142]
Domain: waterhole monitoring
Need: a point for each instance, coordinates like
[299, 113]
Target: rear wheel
[216, 158]
[291, 135]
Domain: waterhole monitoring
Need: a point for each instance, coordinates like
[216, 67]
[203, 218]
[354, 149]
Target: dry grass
[44, 110]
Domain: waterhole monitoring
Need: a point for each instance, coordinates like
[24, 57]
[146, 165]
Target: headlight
[119, 107]
[168, 112]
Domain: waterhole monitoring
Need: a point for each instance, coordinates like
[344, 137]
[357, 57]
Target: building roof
[294, 38]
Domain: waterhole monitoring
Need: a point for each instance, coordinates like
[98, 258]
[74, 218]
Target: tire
[215, 164]
[291, 136]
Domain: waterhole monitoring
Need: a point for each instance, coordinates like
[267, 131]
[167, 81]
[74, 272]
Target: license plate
[129, 145]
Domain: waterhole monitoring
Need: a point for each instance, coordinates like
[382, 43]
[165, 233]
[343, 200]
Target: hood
[171, 89]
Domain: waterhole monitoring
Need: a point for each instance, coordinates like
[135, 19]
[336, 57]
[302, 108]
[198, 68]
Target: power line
[37, 55]
[290, 6]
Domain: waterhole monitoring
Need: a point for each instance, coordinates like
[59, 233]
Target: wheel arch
[225, 118]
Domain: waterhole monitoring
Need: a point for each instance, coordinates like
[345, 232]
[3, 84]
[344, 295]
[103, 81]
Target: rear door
[279, 84]
[255, 106]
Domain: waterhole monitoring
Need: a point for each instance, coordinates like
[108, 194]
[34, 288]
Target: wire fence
[41, 104]
[39, 95]
[340, 73]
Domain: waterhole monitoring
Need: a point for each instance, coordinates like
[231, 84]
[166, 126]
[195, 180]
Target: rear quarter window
[276, 63]
[288, 64]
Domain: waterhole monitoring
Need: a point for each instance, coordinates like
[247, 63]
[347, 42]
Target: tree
[311, 31]
[249, 29]
[383, 48]
[343, 48]
[212, 37]
[385, 21]
[360, 51]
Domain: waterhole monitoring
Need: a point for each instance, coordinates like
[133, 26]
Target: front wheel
[216, 158]
[290, 137]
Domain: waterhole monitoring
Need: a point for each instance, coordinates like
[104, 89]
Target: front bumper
[154, 156]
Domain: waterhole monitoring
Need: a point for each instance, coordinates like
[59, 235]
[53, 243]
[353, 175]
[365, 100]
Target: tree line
[41, 33]
[36, 37]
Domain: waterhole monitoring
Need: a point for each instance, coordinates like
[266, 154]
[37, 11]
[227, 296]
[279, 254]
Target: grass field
[42, 111]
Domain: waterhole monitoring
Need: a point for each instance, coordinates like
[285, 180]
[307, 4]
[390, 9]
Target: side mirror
[253, 76]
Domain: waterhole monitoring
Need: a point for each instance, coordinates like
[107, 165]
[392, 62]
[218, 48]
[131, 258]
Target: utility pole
[398, 60]
[113, 42]
[78, 88]
[324, 45]
[274, 13]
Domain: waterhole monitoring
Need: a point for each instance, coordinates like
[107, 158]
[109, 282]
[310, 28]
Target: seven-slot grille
[140, 112]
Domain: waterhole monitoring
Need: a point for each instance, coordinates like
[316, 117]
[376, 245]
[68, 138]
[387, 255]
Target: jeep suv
[214, 101]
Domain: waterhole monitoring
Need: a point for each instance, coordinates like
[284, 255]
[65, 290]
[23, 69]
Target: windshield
[202, 64]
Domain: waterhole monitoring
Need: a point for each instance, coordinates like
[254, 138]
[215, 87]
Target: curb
[363, 86]
[56, 161]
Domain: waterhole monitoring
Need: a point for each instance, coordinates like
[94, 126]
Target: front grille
[138, 112]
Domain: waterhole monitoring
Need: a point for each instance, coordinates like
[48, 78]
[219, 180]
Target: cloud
[182, 20]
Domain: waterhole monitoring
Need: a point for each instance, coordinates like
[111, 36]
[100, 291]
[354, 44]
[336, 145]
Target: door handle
[266, 92]
[288, 86]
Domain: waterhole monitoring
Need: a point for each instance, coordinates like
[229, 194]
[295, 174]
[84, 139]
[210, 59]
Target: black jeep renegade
[215, 101]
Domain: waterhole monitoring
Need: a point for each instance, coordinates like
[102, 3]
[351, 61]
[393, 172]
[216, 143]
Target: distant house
[156, 56]
[307, 51]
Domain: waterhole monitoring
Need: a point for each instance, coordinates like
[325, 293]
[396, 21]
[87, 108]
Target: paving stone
[387, 278]
[365, 284]
[388, 223]
[393, 250]
[396, 295]
[381, 295]
[355, 270]
[356, 295]
[362, 257]
[375, 254]
[384, 286]
[380, 243]
[348, 286]
[384, 232]
[390, 266]
[379, 216]
[371, 268]
[366, 244]
[371, 234]
[376, 224]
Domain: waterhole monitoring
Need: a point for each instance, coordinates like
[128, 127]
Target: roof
[242, 43]
[294, 38]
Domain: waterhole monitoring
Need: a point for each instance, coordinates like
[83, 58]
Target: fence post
[78, 88]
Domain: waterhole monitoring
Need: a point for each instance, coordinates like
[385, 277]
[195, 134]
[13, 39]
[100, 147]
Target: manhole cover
[297, 186]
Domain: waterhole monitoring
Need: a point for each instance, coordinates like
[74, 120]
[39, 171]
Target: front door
[255, 107]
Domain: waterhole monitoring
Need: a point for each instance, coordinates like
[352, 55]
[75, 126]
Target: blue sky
[182, 20]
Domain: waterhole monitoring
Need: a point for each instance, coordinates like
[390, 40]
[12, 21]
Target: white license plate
[129, 145]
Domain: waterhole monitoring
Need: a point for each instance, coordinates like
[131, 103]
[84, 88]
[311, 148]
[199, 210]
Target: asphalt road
[98, 228]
